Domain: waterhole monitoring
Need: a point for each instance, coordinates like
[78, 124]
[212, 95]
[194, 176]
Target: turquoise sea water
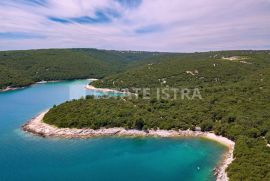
[27, 157]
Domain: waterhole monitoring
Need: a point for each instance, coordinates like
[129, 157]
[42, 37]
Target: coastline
[40, 82]
[104, 90]
[10, 89]
[17, 88]
[88, 87]
[50, 81]
[37, 127]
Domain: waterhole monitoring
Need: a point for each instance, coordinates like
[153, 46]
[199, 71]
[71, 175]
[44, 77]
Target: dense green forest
[22, 68]
[235, 90]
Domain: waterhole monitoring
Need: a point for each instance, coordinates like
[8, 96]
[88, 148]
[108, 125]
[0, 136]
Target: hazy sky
[160, 25]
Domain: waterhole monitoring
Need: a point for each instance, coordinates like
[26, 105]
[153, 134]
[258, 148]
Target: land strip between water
[36, 126]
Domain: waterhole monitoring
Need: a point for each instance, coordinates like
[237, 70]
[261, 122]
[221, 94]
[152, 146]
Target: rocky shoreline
[10, 89]
[104, 90]
[37, 127]
[16, 88]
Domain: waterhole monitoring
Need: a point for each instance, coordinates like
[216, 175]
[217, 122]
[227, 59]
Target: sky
[150, 25]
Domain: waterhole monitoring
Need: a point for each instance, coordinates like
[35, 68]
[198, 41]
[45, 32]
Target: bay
[27, 157]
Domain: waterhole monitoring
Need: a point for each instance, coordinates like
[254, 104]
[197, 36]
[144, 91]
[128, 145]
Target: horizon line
[129, 50]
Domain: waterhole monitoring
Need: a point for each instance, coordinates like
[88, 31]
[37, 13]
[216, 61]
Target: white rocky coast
[90, 87]
[38, 127]
[10, 89]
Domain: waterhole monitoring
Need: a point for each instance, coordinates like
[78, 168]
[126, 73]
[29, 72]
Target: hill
[235, 91]
[22, 68]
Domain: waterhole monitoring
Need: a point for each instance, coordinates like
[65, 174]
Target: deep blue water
[27, 157]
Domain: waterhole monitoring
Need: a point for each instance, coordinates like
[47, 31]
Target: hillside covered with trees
[22, 68]
[235, 90]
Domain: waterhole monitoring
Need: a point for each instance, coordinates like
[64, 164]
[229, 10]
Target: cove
[27, 157]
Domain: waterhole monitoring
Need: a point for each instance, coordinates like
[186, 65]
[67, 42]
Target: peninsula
[233, 104]
[38, 127]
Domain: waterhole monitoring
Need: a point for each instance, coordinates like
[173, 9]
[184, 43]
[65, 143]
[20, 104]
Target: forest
[25, 67]
[235, 90]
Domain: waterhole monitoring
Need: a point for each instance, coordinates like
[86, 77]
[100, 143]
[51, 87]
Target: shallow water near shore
[27, 157]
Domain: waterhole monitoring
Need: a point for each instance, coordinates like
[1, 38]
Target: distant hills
[22, 68]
